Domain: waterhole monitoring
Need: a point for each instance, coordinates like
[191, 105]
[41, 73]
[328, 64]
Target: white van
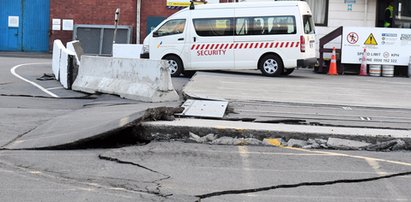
[275, 37]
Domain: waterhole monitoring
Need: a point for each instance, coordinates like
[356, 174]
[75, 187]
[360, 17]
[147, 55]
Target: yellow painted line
[350, 156]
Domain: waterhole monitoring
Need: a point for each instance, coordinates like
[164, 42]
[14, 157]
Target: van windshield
[308, 24]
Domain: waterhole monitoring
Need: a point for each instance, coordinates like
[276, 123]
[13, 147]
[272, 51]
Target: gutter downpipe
[138, 21]
[365, 13]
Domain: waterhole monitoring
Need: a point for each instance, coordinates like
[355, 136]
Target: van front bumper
[306, 62]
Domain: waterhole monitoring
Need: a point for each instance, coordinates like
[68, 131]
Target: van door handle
[195, 39]
[180, 39]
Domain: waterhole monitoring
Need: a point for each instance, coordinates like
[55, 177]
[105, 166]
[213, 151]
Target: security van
[275, 37]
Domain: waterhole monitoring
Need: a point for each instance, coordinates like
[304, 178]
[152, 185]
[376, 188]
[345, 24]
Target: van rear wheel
[271, 65]
[174, 64]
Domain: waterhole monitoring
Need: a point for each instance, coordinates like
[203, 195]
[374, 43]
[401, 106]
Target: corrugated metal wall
[32, 32]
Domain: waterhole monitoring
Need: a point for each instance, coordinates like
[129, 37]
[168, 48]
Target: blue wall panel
[36, 15]
[32, 33]
[10, 37]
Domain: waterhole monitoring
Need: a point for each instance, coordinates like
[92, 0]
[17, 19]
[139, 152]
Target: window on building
[406, 8]
[319, 8]
[213, 27]
[171, 27]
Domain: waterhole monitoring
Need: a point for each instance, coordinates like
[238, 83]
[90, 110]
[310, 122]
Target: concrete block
[127, 50]
[137, 79]
[296, 143]
[75, 47]
[57, 47]
[338, 143]
[61, 64]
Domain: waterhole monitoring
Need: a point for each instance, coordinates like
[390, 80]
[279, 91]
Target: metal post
[116, 21]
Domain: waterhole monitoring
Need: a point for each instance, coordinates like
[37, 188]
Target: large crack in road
[296, 185]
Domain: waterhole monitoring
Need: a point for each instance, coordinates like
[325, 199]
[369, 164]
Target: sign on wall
[386, 46]
[13, 21]
[186, 3]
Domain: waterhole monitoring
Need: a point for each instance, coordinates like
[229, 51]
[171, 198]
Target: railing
[324, 40]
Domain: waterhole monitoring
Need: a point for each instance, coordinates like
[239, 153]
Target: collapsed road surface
[164, 171]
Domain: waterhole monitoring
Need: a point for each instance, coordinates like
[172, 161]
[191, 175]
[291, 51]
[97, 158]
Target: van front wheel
[271, 65]
[174, 64]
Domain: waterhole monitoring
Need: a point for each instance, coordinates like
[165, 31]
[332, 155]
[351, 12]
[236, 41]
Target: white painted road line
[13, 71]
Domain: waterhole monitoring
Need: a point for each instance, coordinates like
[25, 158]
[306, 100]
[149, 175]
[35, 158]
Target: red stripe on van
[236, 45]
[202, 47]
[192, 47]
[246, 45]
[292, 44]
[266, 45]
[276, 44]
[286, 44]
[261, 45]
[226, 46]
[256, 45]
[221, 46]
[208, 45]
[282, 44]
[241, 46]
[272, 44]
[212, 46]
[297, 44]
[231, 46]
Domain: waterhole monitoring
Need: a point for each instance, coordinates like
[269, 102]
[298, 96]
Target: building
[32, 25]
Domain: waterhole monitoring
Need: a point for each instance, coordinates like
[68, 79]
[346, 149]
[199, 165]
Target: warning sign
[385, 46]
[371, 40]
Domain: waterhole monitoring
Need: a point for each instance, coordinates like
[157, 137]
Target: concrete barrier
[62, 64]
[127, 50]
[137, 79]
[76, 48]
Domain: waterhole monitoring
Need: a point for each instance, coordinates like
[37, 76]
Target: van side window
[308, 24]
[282, 25]
[213, 27]
[265, 25]
[171, 27]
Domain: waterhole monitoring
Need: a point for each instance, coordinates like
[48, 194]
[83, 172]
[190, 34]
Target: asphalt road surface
[175, 171]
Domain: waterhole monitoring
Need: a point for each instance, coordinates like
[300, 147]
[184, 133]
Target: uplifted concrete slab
[82, 125]
[303, 86]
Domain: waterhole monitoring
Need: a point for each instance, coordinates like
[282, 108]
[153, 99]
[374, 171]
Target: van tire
[271, 65]
[287, 72]
[175, 65]
[189, 73]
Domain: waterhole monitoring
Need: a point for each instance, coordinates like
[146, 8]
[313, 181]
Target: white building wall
[363, 14]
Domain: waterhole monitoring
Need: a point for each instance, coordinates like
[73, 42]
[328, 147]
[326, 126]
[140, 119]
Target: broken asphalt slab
[89, 124]
[302, 86]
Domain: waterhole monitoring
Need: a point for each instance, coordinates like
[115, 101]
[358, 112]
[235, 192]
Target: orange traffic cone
[333, 64]
[363, 69]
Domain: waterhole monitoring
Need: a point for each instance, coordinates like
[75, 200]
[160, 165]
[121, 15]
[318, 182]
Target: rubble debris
[392, 145]
[317, 143]
[296, 143]
[344, 144]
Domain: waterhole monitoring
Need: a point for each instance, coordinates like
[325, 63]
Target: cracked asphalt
[174, 170]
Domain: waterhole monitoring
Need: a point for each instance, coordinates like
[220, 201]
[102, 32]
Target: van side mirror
[155, 34]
